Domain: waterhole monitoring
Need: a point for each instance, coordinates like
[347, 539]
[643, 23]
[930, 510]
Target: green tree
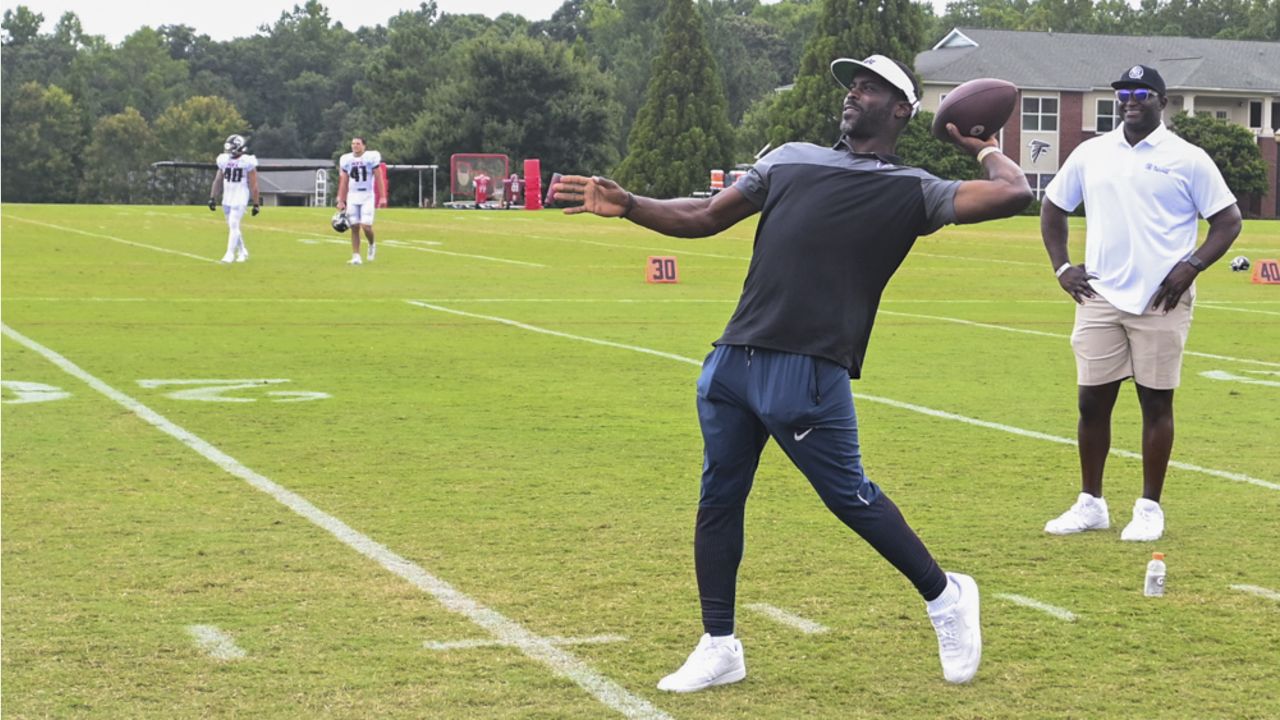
[919, 148]
[622, 38]
[42, 140]
[847, 28]
[682, 130]
[21, 25]
[1233, 149]
[194, 130]
[138, 74]
[117, 160]
[520, 96]
[413, 60]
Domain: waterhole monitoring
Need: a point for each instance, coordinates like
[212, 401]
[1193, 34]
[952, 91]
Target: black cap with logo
[1140, 76]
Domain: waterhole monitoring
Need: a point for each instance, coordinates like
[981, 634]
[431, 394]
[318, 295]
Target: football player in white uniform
[358, 185]
[237, 181]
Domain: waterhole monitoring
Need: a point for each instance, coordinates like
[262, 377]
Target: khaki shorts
[1112, 345]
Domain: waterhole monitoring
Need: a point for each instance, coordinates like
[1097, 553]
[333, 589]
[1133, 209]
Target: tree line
[656, 91]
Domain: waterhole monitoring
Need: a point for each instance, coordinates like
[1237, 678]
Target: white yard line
[777, 614]
[1226, 475]
[341, 241]
[557, 641]
[1062, 336]
[112, 238]
[1054, 610]
[217, 643]
[1259, 591]
[501, 627]
[1216, 306]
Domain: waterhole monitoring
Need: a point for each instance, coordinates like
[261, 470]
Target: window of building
[1040, 114]
[1255, 114]
[1108, 119]
[1220, 114]
[1275, 116]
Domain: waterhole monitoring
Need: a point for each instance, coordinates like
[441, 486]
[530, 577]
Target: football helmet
[1239, 263]
[235, 144]
[340, 222]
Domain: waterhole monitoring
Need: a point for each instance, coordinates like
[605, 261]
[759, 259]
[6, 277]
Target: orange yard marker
[1266, 272]
[661, 269]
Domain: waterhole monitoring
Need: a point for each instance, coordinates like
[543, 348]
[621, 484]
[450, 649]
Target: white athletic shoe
[230, 257]
[242, 256]
[1089, 513]
[959, 632]
[713, 662]
[373, 249]
[355, 260]
[1147, 523]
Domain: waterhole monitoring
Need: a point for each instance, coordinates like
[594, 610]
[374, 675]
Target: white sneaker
[1147, 523]
[242, 256]
[355, 260]
[713, 662]
[1089, 513]
[959, 632]
[372, 251]
[230, 257]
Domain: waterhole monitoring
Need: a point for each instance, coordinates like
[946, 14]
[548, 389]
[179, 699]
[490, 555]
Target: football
[1239, 263]
[979, 108]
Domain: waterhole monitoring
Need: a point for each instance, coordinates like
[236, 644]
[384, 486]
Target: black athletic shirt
[834, 227]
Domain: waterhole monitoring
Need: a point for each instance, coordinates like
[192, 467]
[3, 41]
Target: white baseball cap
[845, 68]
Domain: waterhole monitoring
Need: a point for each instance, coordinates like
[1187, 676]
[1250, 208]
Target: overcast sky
[227, 19]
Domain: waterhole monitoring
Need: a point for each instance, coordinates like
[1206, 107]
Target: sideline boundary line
[501, 627]
[942, 414]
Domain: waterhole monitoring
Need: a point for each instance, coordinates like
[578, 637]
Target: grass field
[460, 482]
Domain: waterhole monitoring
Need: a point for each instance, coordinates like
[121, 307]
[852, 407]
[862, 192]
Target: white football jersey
[235, 178]
[359, 172]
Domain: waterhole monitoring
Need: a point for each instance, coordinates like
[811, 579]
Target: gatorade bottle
[1155, 576]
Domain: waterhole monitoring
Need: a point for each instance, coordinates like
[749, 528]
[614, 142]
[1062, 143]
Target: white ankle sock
[950, 594]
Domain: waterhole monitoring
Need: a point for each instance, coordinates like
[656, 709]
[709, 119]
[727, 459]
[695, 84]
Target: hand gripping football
[979, 108]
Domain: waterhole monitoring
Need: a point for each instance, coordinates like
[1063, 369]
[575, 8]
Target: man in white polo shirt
[1143, 188]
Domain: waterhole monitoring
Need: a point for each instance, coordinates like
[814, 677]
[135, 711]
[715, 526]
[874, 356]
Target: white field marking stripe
[112, 238]
[1259, 591]
[615, 246]
[808, 627]
[1213, 306]
[976, 259]
[217, 643]
[501, 627]
[544, 331]
[1238, 477]
[328, 239]
[1042, 333]
[1060, 613]
[558, 641]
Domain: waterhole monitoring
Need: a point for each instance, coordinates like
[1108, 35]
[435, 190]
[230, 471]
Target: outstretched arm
[678, 217]
[253, 188]
[1004, 192]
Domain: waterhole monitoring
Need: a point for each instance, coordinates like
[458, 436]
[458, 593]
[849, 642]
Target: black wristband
[631, 205]
[1196, 263]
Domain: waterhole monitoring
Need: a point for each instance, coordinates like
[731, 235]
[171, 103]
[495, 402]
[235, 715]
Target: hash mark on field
[557, 641]
[500, 626]
[11, 216]
[1054, 610]
[1259, 591]
[217, 643]
[1226, 475]
[804, 625]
